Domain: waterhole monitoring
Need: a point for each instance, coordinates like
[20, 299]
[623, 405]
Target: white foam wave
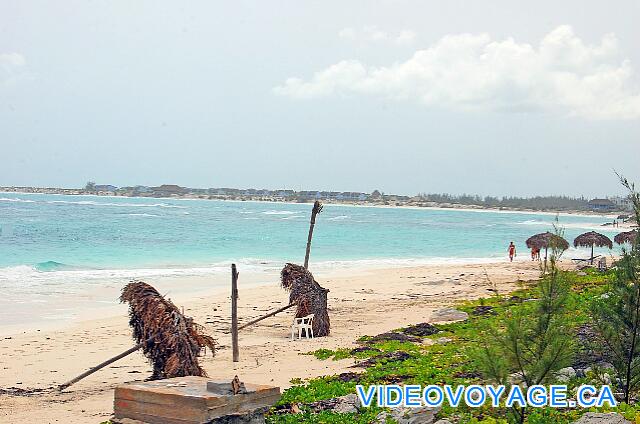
[25, 276]
[15, 199]
[338, 218]
[381, 263]
[533, 222]
[123, 205]
[143, 214]
[594, 226]
[273, 212]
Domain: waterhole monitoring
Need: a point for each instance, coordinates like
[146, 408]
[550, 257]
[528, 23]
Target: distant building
[376, 195]
[104, 187]
[351, 195]
[623, 203]
[141, 189]
[601, 205]
[286, 193]
[168, 190]
[307, 194]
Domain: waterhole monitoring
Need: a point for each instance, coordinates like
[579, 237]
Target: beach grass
[446, 357]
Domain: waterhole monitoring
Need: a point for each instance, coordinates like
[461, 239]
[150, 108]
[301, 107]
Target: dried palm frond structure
[626, 237]
[545, 241]
[592, 239]
[171, 341]
[308, 295]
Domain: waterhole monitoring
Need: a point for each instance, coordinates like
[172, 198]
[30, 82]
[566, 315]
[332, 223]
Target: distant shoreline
[408, 204]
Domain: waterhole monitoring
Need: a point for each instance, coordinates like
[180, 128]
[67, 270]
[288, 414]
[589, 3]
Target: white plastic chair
[304, 323]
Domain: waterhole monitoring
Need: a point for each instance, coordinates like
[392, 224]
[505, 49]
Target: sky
[485, 97]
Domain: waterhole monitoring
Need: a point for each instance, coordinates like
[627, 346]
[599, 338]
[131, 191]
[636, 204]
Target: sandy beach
[361, 302]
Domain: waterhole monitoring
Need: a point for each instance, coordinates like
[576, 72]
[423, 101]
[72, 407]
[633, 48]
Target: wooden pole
[270, 314]
[104, 364]
[317, 208]
[234, 313]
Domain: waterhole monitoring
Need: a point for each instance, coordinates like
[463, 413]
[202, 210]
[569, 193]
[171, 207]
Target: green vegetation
[617, 315]
[535, 340]
[586, 319]
[557, 203]
[450, 357]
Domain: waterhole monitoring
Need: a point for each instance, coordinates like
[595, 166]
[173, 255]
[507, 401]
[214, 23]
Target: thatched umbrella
[545, 241]
[171, 341]
[308, 295]
[591, 239]
[626, 237]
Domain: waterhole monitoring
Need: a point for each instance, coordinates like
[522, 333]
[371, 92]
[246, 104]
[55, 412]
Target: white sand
[361, 303]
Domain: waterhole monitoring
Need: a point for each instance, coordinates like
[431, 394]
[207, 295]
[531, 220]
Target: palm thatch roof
[591, 238]
[308, 295]
[547, 240]
[626, 237]
[172, 341]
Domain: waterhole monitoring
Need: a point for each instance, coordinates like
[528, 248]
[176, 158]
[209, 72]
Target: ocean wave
[338, 218]
[123, 205]
[16, 199]
[382, 263]
[273, 212]
[50, 274]
[143, 214]
[533, 222]
[594, 226]
[50, 266]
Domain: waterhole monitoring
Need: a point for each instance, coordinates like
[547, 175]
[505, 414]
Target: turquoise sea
[51, 242]
[50, 233]
[53, 233]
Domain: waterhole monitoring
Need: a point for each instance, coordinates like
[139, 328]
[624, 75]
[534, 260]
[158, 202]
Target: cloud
[374, 34]
[561, 74]
[406, 37]
[10, 66]
[12, 60]
[348, 33]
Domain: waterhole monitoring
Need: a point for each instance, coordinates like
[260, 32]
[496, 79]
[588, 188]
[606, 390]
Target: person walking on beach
[512, 251]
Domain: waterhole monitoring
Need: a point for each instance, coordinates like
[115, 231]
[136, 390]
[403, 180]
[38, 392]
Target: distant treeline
[536, 203]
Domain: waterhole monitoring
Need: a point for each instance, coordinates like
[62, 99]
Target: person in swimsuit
[512, 251]
[535, 254]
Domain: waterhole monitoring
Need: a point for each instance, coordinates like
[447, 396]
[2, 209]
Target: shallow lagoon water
[49, 243]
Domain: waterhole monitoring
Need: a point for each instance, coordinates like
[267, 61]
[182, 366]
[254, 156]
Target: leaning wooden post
[234, 313]
[104, 364]
[270, 314]
[317, 208]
